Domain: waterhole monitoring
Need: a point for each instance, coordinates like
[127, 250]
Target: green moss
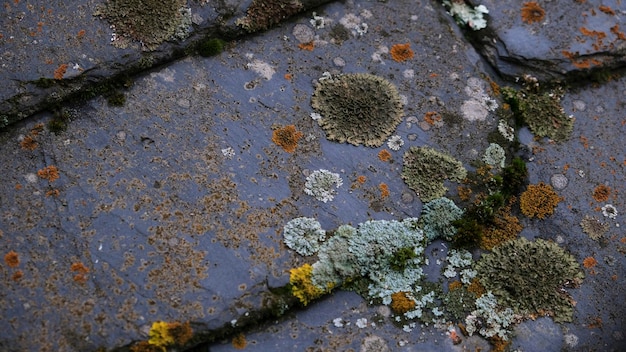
[357, 108]
[542, 112]
[44, 82]
[468, 232]
[425, 169]
[459, 302]
[210, 47]
[60, 120]
[150, 22]
[528, 276]
[116, 98]
[514, 177]
[400, 259]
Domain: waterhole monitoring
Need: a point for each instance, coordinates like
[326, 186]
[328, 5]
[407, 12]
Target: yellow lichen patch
[532, 12]
[539, 200]
[601, 193]
[401, 52]
[160, 335]
[12, 259]
[401, 303]
[301, 285]
[384, 190]
[239, 341]
[384, 155]
[50, 173]
[287, 137]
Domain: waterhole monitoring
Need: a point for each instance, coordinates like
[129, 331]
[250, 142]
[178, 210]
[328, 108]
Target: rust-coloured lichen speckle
[590, 262]
[81, 272]
[532, 12]
[401, 52]
[384, 190]
[239, 341]
[287, 137]
[384, 155]
[401, 303]
[601, 193]
[60, 71]
[12, 259]
[50, 173]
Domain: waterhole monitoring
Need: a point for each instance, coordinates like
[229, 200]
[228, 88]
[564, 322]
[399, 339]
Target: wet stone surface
[171, 207]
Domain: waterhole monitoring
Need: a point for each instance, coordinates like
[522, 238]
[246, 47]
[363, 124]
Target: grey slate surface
[172, 229]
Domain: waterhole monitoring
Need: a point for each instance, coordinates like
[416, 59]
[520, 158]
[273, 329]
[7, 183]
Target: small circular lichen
[357, 108]
[529, 277]
[425, 169]
[304, 235]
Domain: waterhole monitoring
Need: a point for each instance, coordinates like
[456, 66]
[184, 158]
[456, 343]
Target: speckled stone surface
[171, 207]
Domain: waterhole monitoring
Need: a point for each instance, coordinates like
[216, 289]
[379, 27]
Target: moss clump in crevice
[150, 22]
[210, 47]
[357, 108]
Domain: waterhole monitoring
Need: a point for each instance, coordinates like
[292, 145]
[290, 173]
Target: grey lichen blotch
[360, 109]
[425, 169]
[304, 235]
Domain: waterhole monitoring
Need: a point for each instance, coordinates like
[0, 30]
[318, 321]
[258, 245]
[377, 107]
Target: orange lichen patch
[499, 344]
[456, 339]
[584, 141]
[53, 193]
[12, 259]
[465, 193]
[505, 227]
[17, 275]
[607, 10]
[307, 46]
[81, 34]
[81, 272]
[401, 52]
[239, 341]
[29, 143]
[495, 88]
[384, 155]
[539, 200]
[601, 193]
[288, 76]
[401, 303]
[432, 117]
[287, 138]
[454, 285]
[361, 179]
[590, 262]
[60, 71]
[620, 35]
[476, 288]
[145, 346]
[50, 173]
[532, 12]
[595, 323]
[384, 190]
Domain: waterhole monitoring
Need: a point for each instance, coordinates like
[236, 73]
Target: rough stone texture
[175, 202]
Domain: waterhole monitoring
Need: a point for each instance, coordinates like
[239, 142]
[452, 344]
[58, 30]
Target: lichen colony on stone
[425, 169]
[360, 109]
[149, 22]
[304, 235]
[321, 184]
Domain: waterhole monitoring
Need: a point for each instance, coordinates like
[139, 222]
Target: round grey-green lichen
[424, 170]
[360, 109]
[529, 277]
[150, 22]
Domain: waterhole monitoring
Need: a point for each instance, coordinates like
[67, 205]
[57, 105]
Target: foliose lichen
[425, 169]
[495, 156]
[360, 109]
[148, 22]
[321, 184]
[529, 277]
[263, 14]
[490, 319]
[437, 218]
[304, 235]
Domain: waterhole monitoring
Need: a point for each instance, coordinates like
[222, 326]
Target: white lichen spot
[361, 323]
[506, 131]
[228, 153]
[315, 116]
[408, 73]
[338, 322]
[609, 211]
[321, 184]
[339, 62]
[395, 142]
[317, 21]
[30, 178]
[262, 68]
[473, 110]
